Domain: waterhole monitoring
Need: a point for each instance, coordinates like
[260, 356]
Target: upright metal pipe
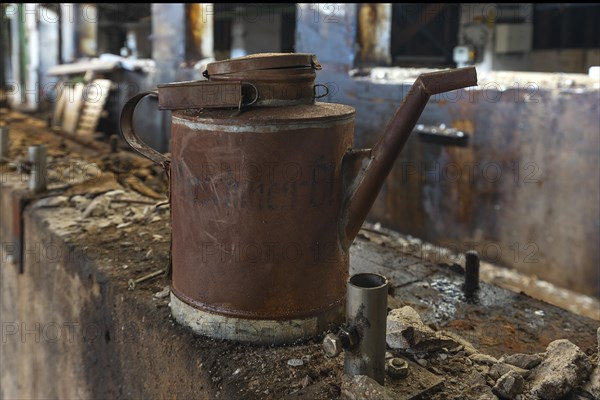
[4, 142]
[37, 179]
[366, 313]
[471, 273]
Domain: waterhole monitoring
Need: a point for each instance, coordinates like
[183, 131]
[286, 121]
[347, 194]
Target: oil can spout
[364, 171]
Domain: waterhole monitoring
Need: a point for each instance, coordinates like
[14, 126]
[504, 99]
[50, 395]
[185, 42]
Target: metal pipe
[471, 273]
[37, 179]
[366, 313]
[4, 141]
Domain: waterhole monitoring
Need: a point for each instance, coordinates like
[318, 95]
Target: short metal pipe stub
[4, 141]
[366, 312]
[37, 158]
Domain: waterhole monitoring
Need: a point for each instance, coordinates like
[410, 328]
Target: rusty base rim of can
[245, 314]
[275, 332]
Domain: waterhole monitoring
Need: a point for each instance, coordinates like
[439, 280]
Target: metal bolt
[397, 367]
[37, 179]
[332, 345]
[349, 337]
[132, 282]
[471, 273]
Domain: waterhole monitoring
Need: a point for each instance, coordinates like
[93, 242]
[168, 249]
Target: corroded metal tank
[267, 193]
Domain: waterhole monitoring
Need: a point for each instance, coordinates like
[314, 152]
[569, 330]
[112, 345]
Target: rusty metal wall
[524, 193]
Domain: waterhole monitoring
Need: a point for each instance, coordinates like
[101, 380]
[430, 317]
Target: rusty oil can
[267, 193]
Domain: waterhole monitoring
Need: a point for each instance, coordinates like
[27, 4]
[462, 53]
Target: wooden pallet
[95, 97]
[79, 107]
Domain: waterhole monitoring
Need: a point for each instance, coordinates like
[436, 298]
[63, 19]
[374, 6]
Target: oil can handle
[132, 138]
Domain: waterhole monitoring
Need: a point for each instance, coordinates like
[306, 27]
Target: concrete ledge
[72, 329]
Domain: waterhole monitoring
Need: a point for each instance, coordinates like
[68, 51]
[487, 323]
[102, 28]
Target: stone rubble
[593, 385]
[552, 375]
[509, 386]
[524, 361]
[564, 368]
[295, 362]
[468, 348]
[478, 384]
[483, 359]
[499, 369]
[163, 293]
[406, 331]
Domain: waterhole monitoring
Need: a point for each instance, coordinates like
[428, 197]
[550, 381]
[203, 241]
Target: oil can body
[255, 202]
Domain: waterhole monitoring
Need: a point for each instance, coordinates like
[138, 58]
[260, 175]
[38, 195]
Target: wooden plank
[88, 117]
[60, 105]
[97, 93]
[72, 107]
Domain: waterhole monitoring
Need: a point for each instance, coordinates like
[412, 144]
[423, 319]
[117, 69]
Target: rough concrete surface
[564, 368]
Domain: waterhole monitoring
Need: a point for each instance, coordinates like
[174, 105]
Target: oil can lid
[262, 61]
